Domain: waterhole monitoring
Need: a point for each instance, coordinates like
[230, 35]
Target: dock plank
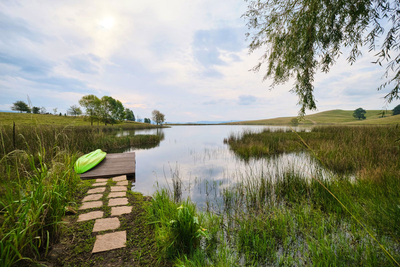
[113, 165]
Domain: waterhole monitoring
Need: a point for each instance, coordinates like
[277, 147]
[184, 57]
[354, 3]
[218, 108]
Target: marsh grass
[367, 152]
[283, 217]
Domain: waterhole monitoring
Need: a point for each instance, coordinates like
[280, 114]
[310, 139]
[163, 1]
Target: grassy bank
[38, 183]
[7, 118]
[289, 218]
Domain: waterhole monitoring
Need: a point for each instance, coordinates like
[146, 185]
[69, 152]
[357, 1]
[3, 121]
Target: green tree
[118, 111]
[91, 103]
[147, 120]
[111, 110]
[35, 110]
[302, 37]
[129, 115]
[294, 122]
[21, 106]
[396, 110]
[158, 117]
[74, 110]
[359, 114]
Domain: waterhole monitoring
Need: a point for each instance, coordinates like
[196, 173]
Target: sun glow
[107, 23]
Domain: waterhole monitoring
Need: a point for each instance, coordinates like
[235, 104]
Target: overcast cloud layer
[188, 59]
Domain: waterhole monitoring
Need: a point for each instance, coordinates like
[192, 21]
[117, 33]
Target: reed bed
[69, 138]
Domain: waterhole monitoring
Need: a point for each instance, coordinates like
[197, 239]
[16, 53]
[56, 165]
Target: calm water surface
[197, 156]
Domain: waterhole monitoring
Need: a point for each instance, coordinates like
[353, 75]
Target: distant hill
[336, 116]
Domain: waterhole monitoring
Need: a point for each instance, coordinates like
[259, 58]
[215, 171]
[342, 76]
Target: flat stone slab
[96, 190]
[91, 205]
[92, 197]
[123, 182]
[106, 224]
[119, 178]
[109, 241]
[118, 201]
[118, 188]
[99, 184]
[116, 194]
[115, 211]
[90, 216]
[100, 180]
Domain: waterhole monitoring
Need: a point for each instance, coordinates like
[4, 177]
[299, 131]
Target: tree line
[105, 110]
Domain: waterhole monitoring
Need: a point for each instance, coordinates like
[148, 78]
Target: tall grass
[178, 226]
[34, 195]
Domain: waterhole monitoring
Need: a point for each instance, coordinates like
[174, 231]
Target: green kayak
[88, 161]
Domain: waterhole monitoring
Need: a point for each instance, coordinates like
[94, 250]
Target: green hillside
[336, 116]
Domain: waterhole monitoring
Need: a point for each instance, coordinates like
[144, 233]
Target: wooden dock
[113, 165]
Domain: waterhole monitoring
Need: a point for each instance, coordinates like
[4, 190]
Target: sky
[187, 59]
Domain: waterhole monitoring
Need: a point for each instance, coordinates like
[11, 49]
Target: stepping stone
[96, 190]
[118, 188]
[119, 178]
[100, 180]
[92, 197]
[91, 205]
[123, 182]
[115, 211]
[109, 241]
[106, 224]
[99, 184]
[116, 194]
[118, 201]
[90, 216]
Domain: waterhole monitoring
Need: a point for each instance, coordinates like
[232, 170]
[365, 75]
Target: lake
[197, 158]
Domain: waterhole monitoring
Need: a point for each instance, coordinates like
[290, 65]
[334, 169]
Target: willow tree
[302, 37]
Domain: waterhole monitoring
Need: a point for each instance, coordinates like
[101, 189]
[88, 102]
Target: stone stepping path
[91, 205]
[96, 190]
[116, 211]
[92, 197]
[100, 184]
[118, 188]
[118, 202]
[116, 194]
[121, 201]
[106, 224]
[109, 241]
[90, 216]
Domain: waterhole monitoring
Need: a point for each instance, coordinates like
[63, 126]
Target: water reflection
[197, 156]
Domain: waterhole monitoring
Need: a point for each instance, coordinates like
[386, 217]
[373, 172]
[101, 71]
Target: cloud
[84, 63]
[27, 64]
[209, 47]
[14, 29]
[247, 99]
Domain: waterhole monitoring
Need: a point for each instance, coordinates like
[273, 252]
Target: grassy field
[331, 117]
[7, 118]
